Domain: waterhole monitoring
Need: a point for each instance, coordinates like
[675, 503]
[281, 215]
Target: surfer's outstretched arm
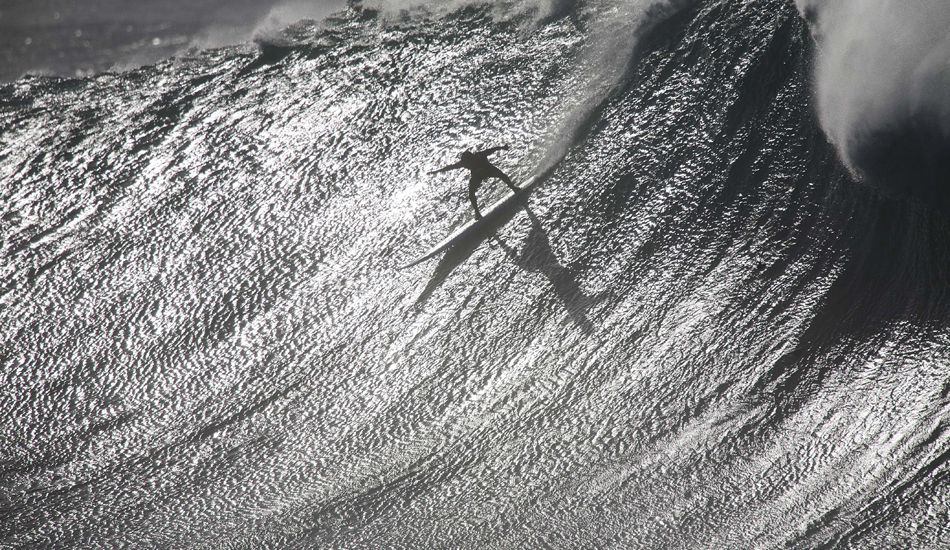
[455, 166]
[491, 150]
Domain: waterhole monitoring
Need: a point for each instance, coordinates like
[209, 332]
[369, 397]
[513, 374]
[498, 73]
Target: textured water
[699, 332]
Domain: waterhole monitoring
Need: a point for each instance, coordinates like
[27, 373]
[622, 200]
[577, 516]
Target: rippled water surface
[698, 332]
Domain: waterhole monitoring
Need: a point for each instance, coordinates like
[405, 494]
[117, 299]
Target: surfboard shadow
[536, 256]
[464, 247]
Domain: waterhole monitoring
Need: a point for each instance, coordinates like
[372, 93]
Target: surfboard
[474, 226]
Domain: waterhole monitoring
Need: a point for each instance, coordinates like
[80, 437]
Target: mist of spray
[617, 27]
[279, 16]
[883, 68]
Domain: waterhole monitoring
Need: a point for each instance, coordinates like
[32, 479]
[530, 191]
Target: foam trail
[605, 65]
[883, 86]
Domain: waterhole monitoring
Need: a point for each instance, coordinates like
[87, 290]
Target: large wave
[698, 331]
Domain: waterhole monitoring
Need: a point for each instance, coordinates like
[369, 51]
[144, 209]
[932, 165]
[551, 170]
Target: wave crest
[883, 90]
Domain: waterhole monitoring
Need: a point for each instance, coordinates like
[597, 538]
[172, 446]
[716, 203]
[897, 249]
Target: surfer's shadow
[452, 259]
[537, 256]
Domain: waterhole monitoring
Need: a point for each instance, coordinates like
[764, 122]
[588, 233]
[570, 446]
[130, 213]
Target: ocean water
[707, 327]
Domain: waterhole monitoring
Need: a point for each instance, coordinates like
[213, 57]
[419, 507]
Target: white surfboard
[475, 226]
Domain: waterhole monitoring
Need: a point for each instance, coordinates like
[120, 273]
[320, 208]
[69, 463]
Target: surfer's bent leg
[472, 186]
[501, 175]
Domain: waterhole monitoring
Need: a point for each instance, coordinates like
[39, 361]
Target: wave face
[700, 332]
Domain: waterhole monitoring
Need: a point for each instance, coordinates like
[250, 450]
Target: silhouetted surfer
[481, 171]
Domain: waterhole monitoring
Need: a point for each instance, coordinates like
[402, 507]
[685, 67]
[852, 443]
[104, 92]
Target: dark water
[700, 331]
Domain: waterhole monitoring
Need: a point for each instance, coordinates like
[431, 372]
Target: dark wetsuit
[481, 170]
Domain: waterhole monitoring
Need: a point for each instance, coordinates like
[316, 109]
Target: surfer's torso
[481, 170]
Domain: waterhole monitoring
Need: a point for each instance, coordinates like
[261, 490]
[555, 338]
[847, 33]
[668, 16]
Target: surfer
[481, 170]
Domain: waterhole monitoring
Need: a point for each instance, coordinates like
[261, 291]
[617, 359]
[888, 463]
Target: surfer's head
[467, 157]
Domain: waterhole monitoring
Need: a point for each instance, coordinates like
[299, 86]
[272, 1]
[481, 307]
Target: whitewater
[709, 326]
